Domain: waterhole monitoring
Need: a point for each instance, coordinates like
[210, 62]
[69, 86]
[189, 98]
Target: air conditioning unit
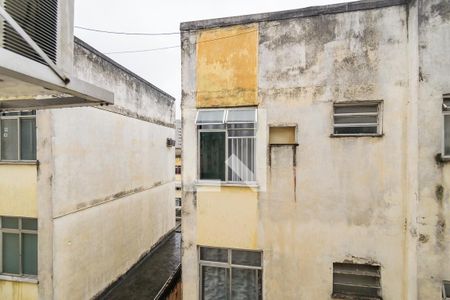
[36, 57]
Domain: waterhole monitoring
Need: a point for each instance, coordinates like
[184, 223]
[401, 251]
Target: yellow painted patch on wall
[227, 67]
[227, 218]
[13, 290]
[18, 190]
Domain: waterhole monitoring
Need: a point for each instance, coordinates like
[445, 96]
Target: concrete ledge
[19, 278]
[291, 14]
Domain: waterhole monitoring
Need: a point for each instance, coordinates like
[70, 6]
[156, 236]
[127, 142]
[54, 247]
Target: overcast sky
[162, 68]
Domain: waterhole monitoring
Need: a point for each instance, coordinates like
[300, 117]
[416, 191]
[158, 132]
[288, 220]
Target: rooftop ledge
[291, 14]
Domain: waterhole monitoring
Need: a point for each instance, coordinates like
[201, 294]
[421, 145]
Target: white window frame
[379, 114]
[445, 112]
[18, 118]
[444, 294]
[225, 130]
[227, 265]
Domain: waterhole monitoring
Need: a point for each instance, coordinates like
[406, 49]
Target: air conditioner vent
[39, 19]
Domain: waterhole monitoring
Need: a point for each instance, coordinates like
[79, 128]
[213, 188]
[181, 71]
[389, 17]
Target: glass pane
[246, 258]
[241, 115]
[355, 108]
[11, 254]
[214, 116]
[9, 140]
[215, 283]
[29, 253]
[214, 254]
[29, 224]
[447, 289]
[212, 155]
[447, 135]
[10, 222]
[355, 119]
[244, 284]
[355, 130]
[28, 139]
[241, 132]
[28, 113]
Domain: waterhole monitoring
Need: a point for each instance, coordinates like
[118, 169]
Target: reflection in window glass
[11, 253]
[28, 139]
[9, 139]
[215, 283]
[447, 135]
[212, 155]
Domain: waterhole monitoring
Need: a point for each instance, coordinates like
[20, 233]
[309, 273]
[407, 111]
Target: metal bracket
[33, 44]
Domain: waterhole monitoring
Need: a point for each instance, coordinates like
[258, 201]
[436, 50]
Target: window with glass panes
[226, 144]
[356, 119]
[230, 274]
[18, 136]
[19, 246]
[446, 127]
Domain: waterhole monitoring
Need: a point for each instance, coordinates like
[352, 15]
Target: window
[446, 290]
[227, 144]
[446, 113]
[356, 281]
[230, 274]
[18, 136]
[19, 246]
[177, 170]
[356, 119]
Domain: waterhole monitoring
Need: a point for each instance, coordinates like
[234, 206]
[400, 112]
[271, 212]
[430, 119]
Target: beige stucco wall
[13, 290]
[18, 190]
[329, 199]
[433, 213]
[106, 182]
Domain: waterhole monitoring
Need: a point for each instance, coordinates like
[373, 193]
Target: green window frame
[18, 136]
[19, 246]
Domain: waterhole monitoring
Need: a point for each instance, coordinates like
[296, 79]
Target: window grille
[356, 281]
[356, 119]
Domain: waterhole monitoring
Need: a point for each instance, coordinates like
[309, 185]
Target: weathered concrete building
[85, 192]
[178, 168]
[315, 153]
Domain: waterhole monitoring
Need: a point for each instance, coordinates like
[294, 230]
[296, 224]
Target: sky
[161, 68]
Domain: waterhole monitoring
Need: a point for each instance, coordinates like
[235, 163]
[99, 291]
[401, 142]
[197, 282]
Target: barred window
[230, 274]
[19, 246]
[227, 144]
[18, 136]
[356, 119]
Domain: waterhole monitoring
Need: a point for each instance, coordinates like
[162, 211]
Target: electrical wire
[127, 33]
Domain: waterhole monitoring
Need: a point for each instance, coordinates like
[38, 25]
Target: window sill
[18, 162]
[26, 279]
[356, 135]
[224, 183]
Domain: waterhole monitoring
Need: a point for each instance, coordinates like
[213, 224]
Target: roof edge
[290, 14]
[88, 47]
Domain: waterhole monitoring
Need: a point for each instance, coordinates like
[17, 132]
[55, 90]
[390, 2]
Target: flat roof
[290, 14]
